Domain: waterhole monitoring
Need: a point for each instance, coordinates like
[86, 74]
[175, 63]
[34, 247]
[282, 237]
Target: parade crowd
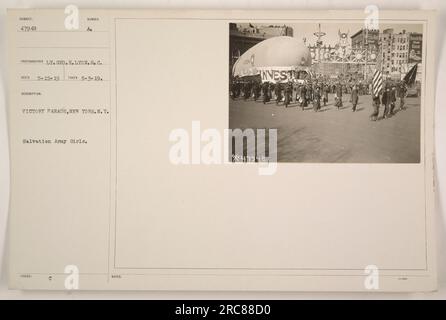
[314, 93]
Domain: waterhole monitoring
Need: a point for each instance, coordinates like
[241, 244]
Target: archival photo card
[221, 150]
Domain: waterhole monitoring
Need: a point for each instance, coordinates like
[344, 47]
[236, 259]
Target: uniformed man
[288, 93]
[303, 96]
[256, 90]
[338, 96]
[308, 93]
[386, 101]
[272, 90]
[265, 92]
[376, 103]
[235, 89]
[326, 89]
[278, 92]
[317, 98]
[298, 92]
[233, 85]
[238, 88]
[392, 100]
[402, 94]
[246, 90]
[354, 97]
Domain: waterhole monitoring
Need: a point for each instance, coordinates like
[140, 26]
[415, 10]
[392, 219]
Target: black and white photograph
[335, 92]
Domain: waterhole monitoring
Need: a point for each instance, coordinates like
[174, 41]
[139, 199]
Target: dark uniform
[317, 99]
[288, 94]
[392, 100]
[338, 93]
[233, 86]
[235, 89]
[246, 90]
[272, 90]
[354, 97]
[265, 92]
[376, 104]
[326, 89]
[256, 90]
[303, 96]
[386, 101]
[308, 94]
[238, 89]
[278, 92]
[402, 94]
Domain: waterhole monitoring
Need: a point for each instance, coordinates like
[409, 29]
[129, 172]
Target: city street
[332, 135]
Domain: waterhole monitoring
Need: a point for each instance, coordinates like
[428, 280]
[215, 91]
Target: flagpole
[381, 62]
[366, 52]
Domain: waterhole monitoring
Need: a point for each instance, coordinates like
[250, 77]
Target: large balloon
[276, 59]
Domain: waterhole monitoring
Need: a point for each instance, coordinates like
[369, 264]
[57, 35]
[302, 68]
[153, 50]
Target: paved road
[333, 135]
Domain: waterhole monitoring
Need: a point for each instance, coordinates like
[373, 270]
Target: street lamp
[319, 34]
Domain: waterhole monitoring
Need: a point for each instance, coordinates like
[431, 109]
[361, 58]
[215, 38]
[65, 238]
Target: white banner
[281, 74]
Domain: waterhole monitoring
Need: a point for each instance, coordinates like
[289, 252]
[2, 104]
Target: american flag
[377, 82]
[410, 77]
[311, 74]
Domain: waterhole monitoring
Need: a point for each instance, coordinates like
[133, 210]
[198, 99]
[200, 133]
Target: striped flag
[377, 82]
[310, 73]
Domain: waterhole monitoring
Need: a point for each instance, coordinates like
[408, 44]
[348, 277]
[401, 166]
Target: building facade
[394, 52]
[400, 52]
[366, 38]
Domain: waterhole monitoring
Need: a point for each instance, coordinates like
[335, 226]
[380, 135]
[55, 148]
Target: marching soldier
[235, 89]
[288, 93]
[278, 92]
[256, 90]
[265, 91]
[259, 89]
[298, 89]
[246, 90]
[308, 94]
[386, 101]
[338, 95]
[402, 94]
[310, 90]
[238, 89]
[354, 97]
[272, 90]
[326, 89]
[392, 100]
[317, 99]
[376, 104]
[303, 96]
[233, 85]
